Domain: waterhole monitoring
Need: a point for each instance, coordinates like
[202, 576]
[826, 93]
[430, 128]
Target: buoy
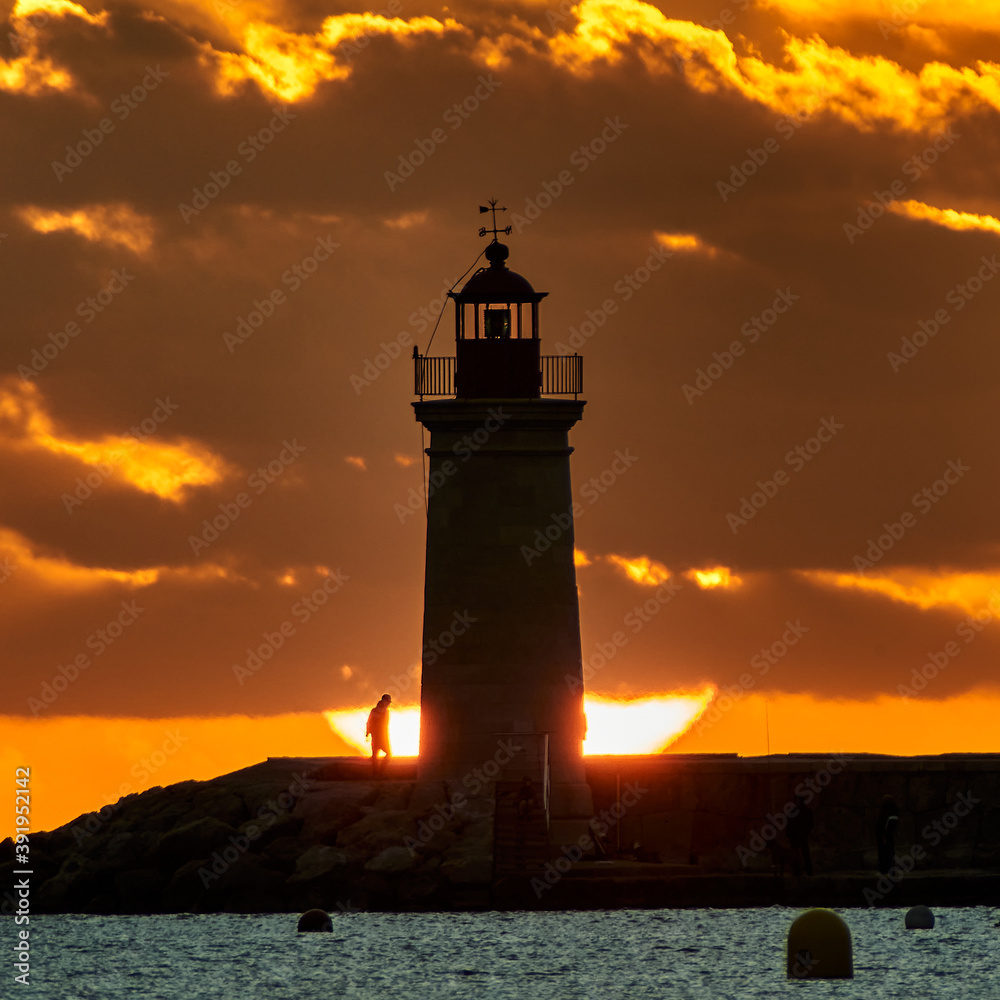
[919, 918]
[315, 920]
[819, 946]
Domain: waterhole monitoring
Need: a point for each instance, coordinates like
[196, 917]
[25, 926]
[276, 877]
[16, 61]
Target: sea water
[634, 954]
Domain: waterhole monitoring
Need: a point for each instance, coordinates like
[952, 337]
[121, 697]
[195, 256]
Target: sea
[695, 954]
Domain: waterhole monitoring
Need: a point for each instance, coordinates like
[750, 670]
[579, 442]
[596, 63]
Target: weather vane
[492, 207]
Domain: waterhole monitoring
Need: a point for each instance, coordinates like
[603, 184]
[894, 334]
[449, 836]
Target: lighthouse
[501, 660]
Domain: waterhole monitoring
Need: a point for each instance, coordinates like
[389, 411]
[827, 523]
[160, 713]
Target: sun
[614, 726]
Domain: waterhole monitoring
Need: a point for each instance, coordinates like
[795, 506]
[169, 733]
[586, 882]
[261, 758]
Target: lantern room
[497, 346]
[497, 349]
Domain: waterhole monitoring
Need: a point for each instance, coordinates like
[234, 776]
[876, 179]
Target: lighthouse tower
[501, 631]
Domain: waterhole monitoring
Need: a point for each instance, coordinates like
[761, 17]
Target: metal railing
[560, 375]
[433, 376]
[531, 760]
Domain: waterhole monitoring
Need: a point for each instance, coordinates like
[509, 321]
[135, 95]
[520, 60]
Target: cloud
[115, 225]
[135, 457]
[947, 218]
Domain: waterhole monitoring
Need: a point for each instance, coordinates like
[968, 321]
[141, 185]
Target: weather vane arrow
[492, 207]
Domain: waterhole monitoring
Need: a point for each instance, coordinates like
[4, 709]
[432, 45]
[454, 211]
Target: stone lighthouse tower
[501, 632]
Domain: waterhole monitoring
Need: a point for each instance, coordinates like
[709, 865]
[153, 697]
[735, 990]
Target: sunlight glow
[976, 593]
[642, 570]
[116, 224]
[30, 72]
[614, 726]
[404, 729]
[685, 243]
[164, 469]
[949, 218]
[291, 66]
[715, 576]
[643, 725]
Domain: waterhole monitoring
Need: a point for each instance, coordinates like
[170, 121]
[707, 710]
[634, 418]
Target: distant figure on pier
[525, 798]
[885, 833]
[800, 825]
[378, 731]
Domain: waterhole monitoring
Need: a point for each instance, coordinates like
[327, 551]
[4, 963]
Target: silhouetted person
[800, 825]
[885, 833]
[378, 730]
[525, 798]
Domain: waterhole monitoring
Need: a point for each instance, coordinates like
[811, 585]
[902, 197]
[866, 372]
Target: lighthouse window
[496, 324]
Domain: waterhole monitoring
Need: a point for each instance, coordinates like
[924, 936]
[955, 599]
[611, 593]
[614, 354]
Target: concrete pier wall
[725, 813]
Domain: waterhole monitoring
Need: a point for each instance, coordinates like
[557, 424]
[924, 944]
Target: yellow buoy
[819, 946]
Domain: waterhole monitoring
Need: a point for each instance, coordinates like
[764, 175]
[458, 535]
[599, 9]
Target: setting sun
[614, 726]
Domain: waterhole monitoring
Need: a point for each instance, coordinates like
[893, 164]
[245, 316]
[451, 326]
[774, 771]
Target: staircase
[521, 813]
[520, 833]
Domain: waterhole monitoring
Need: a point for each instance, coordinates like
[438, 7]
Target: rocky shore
[280, 836]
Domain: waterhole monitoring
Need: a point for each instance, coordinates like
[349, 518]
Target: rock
[393, 859]
[78, 881]
[319, 861]
[187, 887]
[195, 839]
[224, 806]
[139, 890]
[377, 831]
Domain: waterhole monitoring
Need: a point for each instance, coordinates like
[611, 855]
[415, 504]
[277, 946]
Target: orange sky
[771, 229]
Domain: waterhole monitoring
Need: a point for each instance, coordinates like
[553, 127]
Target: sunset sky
[771, 227]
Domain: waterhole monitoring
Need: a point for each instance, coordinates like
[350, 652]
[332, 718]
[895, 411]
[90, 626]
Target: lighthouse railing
[562, 374]
[433, 376]
[559, 375]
